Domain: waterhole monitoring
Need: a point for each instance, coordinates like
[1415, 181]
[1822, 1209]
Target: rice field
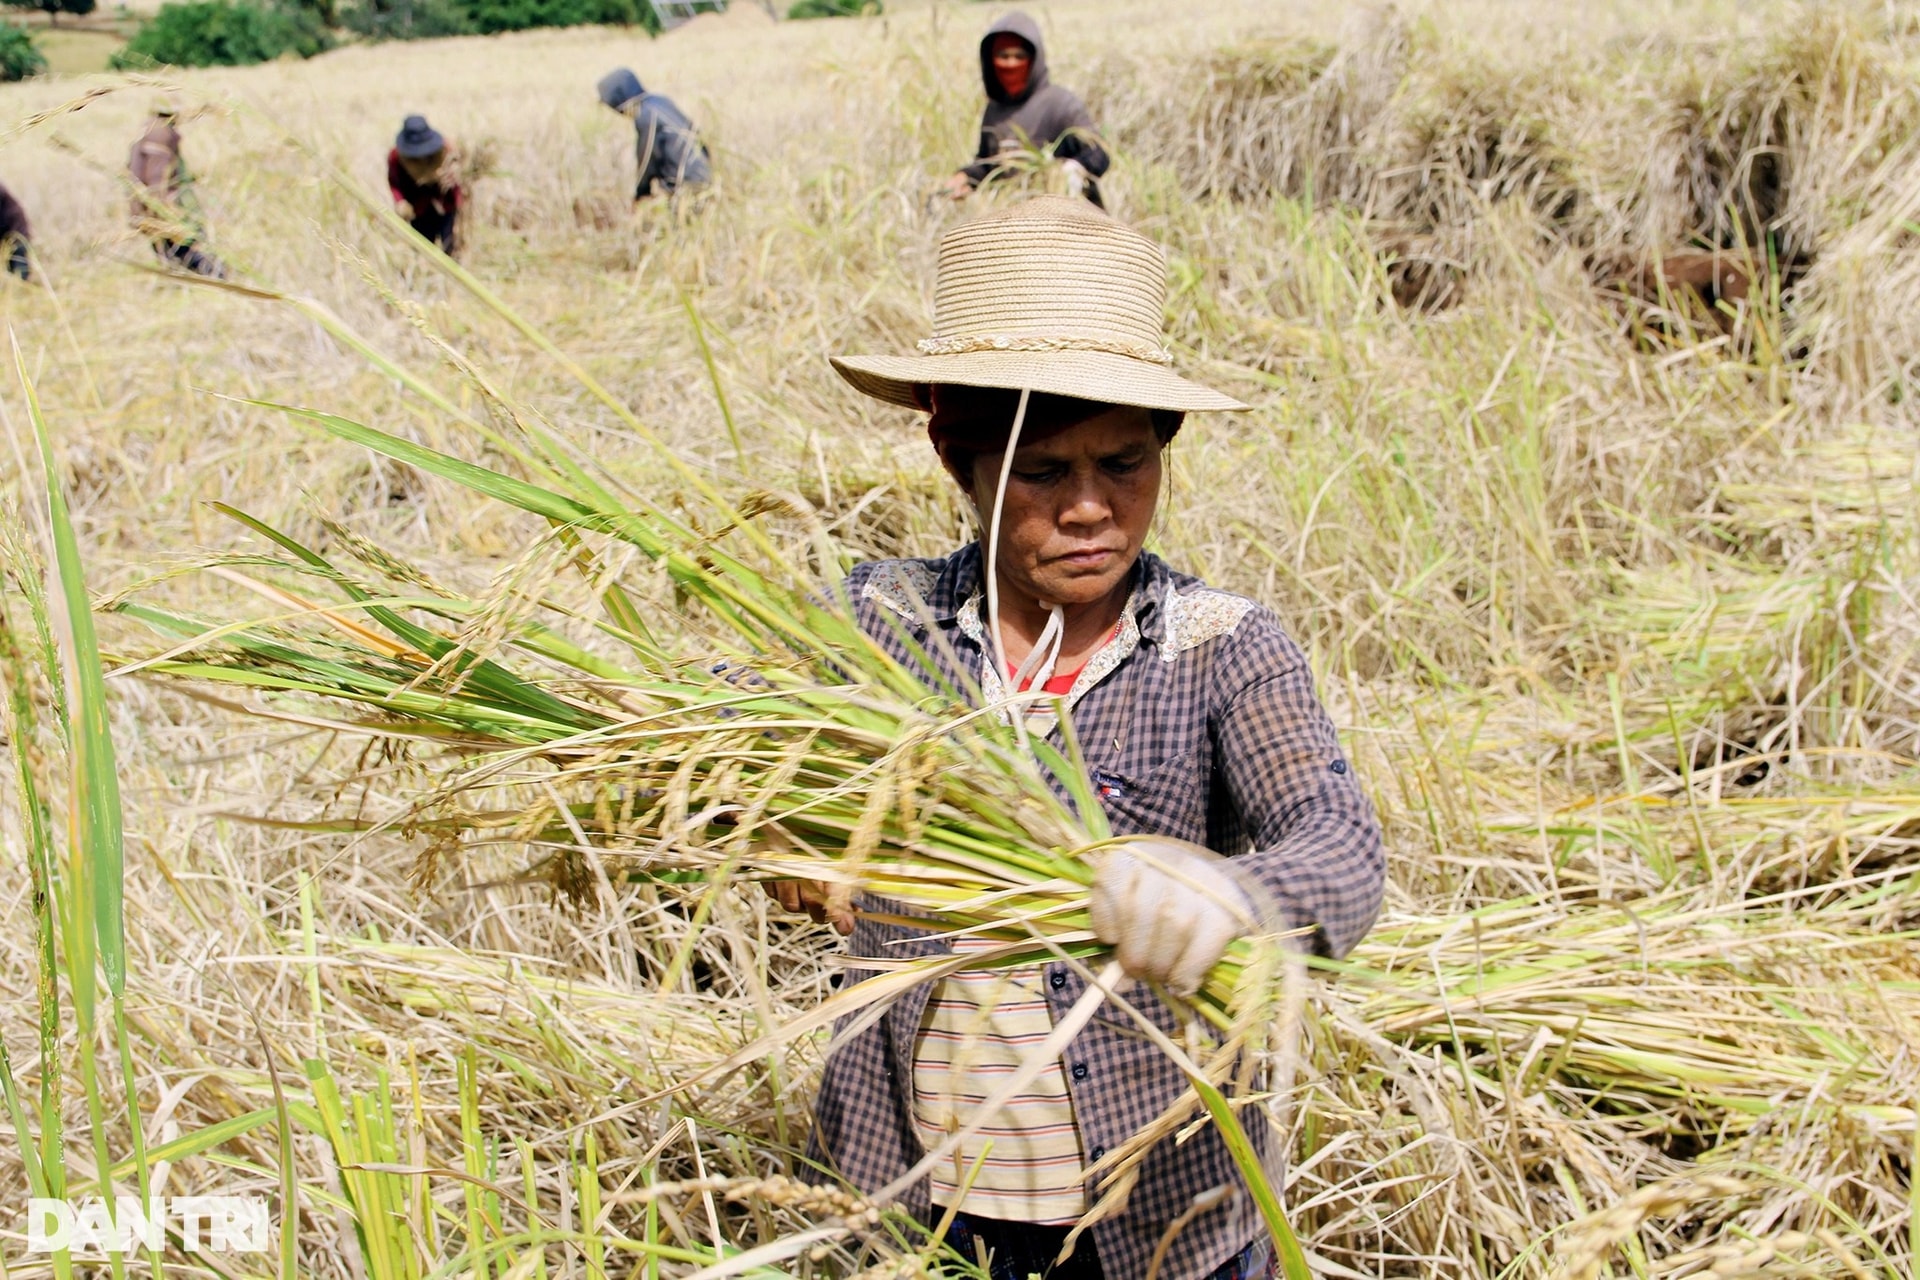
[1613, 590]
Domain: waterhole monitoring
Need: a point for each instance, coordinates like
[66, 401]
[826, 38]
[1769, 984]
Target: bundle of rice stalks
[1729, 1010]
[1817, 645]
[1296, 117]
[802, 751]
[1851, 486]
[802, 742]
[1487, 1079]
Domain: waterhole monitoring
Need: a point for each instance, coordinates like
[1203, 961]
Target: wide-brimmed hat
[1048, 295]
[418, 139]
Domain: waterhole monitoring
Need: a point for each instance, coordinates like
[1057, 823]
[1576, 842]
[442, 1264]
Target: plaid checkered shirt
[1202, 724]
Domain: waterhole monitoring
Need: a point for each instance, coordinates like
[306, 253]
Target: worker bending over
[423, 172]
[669, 151]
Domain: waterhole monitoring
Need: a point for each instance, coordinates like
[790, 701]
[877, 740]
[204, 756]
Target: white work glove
[1077, 177]
[1168, 909]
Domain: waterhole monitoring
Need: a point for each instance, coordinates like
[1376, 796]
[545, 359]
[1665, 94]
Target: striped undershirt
[978, 1026]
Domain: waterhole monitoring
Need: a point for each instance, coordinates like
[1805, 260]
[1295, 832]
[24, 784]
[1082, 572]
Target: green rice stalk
[96, 873]
[469, 1088]
[45, 1167]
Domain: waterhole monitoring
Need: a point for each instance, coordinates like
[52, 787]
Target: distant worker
[164, 207]
[669, 151]
[15, 233]
[1024, 110]
[423, 171]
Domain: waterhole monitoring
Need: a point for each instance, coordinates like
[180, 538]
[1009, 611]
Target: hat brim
[1085, 375]
[422, 149]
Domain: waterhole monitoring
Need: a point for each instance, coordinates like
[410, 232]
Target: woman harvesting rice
[423, 173]
[1201, 731]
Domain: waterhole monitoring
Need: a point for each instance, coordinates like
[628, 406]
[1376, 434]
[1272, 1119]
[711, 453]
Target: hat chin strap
[1046, 650]
[1039, 665]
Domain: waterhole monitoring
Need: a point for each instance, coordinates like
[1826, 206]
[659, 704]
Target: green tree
[832, 8]
[407, 19]
[416, 19]
[54, 8]
[517, 15]
[18, 56]
[220, 33]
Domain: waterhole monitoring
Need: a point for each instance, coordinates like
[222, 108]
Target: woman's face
[1012, 63]
[423, 168]
[1010, 52]
[1077, 509]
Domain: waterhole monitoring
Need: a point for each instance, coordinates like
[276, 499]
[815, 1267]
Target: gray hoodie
[1046, 114]
[666, 146]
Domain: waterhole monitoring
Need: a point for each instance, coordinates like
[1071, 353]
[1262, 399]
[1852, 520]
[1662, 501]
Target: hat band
[968, 343]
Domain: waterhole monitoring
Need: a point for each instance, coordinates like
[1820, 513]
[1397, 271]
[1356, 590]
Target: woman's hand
[958, 187]
[823, 902]
[1168, 909]
[404, 209]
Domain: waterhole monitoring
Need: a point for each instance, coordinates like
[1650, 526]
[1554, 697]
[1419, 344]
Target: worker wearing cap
[423, 173]
[669, 152]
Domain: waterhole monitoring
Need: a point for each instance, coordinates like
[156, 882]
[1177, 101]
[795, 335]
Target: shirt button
[1338, 766]
[1079, 1071]
[1099, 1152]
[1057, 979]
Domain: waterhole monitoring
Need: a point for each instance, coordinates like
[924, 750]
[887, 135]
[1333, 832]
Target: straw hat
[1049, 295]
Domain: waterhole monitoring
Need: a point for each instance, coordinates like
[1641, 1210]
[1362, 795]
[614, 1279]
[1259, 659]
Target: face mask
[1013, 73]
[1013, 79]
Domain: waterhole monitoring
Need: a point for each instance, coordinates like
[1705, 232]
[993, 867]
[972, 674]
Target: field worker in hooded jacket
[1024, 108]
[668, 150]
[423, 173]
[1050, 402]
[164, 208]
[15, 234]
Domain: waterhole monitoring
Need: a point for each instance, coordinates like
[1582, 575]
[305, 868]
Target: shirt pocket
[1169, 799]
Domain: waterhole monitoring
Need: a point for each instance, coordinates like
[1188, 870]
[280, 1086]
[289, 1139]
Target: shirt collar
[959, 585]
